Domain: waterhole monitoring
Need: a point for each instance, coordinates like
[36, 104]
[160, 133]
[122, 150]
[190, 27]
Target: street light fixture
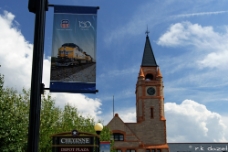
[98, 128]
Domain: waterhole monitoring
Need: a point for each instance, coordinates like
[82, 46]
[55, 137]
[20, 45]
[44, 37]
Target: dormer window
[118, 137]
[149, 77]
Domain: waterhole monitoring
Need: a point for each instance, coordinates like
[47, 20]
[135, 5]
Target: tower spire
[148, 55]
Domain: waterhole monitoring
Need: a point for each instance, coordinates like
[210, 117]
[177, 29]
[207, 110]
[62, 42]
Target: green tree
[1, 83]
[14, 120]
[55, 120]
[72, 119]
[49, 122]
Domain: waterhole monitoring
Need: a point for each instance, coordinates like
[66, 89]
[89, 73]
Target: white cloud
[127, 114]
[86, 106]
[16, 65]
[46, 71]
[15, 54]
[193, 122]
[209, 46]
[215, 59]
[191, 72]
[201, 13]
[186, 33]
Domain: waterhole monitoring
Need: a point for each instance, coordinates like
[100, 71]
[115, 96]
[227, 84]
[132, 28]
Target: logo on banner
[65, 23]
[84, 24]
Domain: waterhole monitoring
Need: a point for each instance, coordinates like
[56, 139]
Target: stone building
[148, 134]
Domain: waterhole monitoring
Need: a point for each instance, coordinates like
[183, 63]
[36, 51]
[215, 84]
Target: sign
[75, 140]
[73, 59]
[81, 149]
[198, 147]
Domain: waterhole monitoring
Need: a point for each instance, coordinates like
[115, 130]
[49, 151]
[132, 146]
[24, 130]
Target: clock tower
[149, 88]
[148, 134]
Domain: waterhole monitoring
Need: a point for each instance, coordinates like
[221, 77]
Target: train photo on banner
[70, 54]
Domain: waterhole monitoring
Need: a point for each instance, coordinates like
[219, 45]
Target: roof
[148, 55]
[117, 124]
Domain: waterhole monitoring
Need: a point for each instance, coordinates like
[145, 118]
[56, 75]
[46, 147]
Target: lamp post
[98, 128]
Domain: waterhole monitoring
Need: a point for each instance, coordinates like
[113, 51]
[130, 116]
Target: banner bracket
[42, 88]
[51, 5]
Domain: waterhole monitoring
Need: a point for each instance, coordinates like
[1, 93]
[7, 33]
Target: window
[118, 137]
[147, 150]
[149, 77]
[158, 150]
[111, 137]
[130, 150]
[152, 116]
[118, 150]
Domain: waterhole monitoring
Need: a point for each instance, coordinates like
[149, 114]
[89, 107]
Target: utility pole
[38, 7]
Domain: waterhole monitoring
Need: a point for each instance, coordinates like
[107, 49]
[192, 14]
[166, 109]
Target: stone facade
[148, 134]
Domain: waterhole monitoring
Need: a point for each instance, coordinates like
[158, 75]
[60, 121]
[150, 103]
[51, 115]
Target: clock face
[151, 91]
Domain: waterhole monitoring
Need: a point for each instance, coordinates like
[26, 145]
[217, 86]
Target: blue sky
[190, 42]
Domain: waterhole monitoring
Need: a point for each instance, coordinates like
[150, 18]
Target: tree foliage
[1, 82]
[14, 120]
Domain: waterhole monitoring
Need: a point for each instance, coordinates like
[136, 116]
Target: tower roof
[159, 73]
[148, 55]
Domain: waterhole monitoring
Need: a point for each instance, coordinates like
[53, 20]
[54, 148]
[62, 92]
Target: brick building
[148, 134]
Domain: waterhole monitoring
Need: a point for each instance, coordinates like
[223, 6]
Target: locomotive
[72, 54]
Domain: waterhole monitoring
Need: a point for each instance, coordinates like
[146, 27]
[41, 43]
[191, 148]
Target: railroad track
[58, 73]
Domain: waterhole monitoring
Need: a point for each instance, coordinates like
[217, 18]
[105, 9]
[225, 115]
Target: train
[70, 54]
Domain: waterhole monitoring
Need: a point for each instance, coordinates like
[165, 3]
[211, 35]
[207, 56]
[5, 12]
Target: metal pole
[98, 144]
[113, 105]
[36, 82]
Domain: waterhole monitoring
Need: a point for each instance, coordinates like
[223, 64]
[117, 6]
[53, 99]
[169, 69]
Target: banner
[73, 59]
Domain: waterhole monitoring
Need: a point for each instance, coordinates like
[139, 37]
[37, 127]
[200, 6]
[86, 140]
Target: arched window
[149, 77]
[118, 137]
